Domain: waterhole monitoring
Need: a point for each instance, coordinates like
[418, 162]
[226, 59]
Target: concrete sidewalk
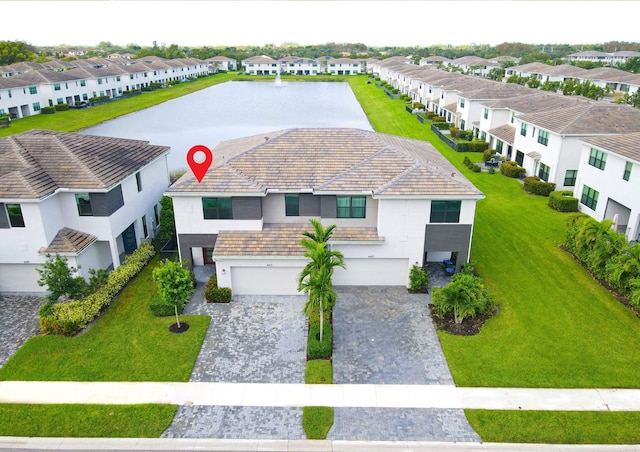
[335, 395]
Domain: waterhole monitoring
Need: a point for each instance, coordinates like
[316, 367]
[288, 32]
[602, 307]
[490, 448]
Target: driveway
[384, 335]
[18, 322]
[253, 339]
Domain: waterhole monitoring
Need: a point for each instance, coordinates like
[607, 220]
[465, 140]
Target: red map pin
[200, 167]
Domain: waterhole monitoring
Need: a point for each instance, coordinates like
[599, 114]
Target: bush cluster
[215, 294]
[48, 110]
[563, 201]
[418, 106]
[418, 279]
[535, 186]
[511, 169]
[606, 253]
[464, 297]
[472, 166]
[62, 107]
[69, 318]
[442, 125]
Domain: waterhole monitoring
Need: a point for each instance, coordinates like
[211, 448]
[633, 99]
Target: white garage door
[265, 280]
[372, 272]
[19, 278]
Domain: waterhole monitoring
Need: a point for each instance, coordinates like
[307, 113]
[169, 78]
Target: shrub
[418, 279]
[563, 201]
[69, 318]
[61, 107]
[465, 296]
[476, 168]
[315, 348]
[48, 110]
[478, 146]
[511, 169]
[215, 294]
[440, 119]
[534, 185]
[442, 125]
[487, 155]
[418, 106]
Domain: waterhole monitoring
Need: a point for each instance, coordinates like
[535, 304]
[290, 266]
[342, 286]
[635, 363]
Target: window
[523, 129]
[156, 217]
[543, 137]
[15, 215]
[99, 81]
[519, 158]
[513, 117]
[84, 204]
[139, 182]
[461, 102]
[445, 211]
[499, 145]
[83, 83]
[292, 204]
[351, 206]
[462, 124]
[483, 136]
[36, 106]
[589, 197]
[598, 159]
[486, 113]
[56, 86]
[33, 90]
[217, 208]
[570, 177]
[543, 172]
[145, 231]
[627, 171]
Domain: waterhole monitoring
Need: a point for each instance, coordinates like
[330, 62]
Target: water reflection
[236, 109]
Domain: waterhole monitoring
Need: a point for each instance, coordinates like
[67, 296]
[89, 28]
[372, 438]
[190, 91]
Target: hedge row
[472, 146]
[69, 318]
[215, 294]
[471, 165]
[534, 185]
[563, 201]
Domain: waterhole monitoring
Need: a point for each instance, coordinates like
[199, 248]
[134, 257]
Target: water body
[237, 109]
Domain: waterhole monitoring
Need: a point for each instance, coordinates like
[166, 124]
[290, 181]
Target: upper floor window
[138, 181]
[56, 86]
[486, 113]
[33, 90]
[217, 208]
[598, 159]
[83, 201]
[627, 171]
[99, 81]
[461, 102]
[543, 137]
[445, 211]
[292, 204]
[14, 211]
[589, 197]
[523, 129]
[351, 206]
[83, 83]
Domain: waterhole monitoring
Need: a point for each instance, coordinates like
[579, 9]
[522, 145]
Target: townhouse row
[292, 65]
[585, 146]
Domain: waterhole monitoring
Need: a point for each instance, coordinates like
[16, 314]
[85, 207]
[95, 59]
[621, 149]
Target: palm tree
[315, 278]
[623, 268]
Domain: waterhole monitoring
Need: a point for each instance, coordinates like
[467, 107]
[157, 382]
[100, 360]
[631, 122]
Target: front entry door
[129, 239]
[207, 254]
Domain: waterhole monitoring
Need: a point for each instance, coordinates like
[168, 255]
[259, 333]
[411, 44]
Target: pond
[237, 109]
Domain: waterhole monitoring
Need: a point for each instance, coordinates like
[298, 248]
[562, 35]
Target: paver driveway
[384, 335]
[18, 322]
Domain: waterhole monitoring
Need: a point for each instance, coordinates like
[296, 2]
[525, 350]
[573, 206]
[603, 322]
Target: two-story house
[91, 199]
[396, 203]
[608, 181]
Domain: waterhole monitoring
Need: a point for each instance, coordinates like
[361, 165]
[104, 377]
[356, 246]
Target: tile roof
[598, 118]
[535, 101]
[329, 161]
[35, 164]
[505, 133]
[69, 240]
[626, 145]
[283, 240]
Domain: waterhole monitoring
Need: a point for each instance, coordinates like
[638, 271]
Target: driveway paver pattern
[18, 322]
[384, 335]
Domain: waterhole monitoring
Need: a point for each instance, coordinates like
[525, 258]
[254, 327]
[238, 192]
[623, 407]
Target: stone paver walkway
[18, 322]
[259, 339]
[384, 335]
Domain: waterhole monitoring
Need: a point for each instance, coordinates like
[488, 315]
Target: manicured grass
[85, 421]
[126, 344]
[557, 327]
[556, 427]
[317, 421]
[319, 371]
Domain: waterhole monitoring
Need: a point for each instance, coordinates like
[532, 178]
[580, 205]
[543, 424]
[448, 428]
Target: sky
[374, 23]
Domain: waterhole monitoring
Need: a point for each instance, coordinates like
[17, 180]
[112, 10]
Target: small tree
[465, 296]
[174, 284]
[418, 279]
[59, 279]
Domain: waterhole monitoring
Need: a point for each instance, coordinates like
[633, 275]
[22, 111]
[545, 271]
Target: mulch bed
[183, 327]
[469, 327]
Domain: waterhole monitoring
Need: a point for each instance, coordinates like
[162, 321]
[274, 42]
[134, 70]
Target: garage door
[372, 272]
[265, 280]
[19, 278]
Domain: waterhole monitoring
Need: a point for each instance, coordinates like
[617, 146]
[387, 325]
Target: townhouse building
[344, 66]
[90, 199]
[261, 65]
[222, 63]
[396, 203]
[608, 181]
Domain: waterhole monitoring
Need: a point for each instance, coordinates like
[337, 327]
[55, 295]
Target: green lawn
[126, 344]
